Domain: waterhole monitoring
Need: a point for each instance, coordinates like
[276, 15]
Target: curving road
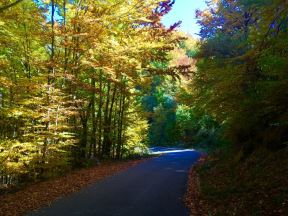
[153, 188]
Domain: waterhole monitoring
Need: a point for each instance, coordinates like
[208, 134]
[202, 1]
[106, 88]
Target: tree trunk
[120, 127]
[99, 116]
[92, 149]
[108, 133]
[106, 124]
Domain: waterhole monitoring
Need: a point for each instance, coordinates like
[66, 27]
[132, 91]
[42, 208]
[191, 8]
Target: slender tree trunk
[106, 119]
[65, 43]
[92, 149]
[114, 140]
[1, 99]
[84, 138]
[120, 127]
[51, 71]
[99, 116]
[108, 132]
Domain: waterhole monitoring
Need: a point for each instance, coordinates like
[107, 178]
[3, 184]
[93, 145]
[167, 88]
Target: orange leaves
[43, 193]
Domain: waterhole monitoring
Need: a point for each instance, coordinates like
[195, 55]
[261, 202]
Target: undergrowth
[256, 186]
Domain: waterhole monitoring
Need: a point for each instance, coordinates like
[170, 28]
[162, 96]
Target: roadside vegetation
[240, 82]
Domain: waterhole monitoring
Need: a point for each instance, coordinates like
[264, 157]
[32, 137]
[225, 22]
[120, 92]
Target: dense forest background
[84, 80]
[242, 71]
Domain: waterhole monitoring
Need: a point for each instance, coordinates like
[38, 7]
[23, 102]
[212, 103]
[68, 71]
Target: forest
[83, 81]
[73, 78]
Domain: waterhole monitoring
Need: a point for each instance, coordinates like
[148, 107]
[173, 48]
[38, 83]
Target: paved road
[153, 188]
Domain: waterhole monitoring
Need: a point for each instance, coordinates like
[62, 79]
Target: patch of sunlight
[153, 151]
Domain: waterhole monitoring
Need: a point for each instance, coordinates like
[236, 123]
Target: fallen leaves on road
[192, 198]
[44, 193]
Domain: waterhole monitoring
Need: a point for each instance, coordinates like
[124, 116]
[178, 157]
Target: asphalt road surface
[153, 188]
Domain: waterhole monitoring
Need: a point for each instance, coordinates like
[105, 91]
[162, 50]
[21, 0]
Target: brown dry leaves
[231, 186]
[192, 198]
[44, 193]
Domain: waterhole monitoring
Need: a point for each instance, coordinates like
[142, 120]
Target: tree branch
[10, 5]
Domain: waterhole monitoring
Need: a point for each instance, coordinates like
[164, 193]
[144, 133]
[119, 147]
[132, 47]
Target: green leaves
[241, 70]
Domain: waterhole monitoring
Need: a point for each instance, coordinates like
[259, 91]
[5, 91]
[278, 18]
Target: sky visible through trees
[184, 10]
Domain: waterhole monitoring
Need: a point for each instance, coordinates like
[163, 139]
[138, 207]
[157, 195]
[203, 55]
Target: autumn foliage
[69, 72]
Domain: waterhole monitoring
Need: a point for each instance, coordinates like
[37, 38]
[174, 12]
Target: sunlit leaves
[69, 72]
[241, 66]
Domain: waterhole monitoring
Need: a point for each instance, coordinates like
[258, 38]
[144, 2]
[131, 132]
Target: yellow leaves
[15, 113]
[144, 19]
[14, 154]
[52, 71]
[5, 82]
[136, 132]
[75, 35]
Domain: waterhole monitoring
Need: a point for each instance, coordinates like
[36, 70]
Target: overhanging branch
[3, 8]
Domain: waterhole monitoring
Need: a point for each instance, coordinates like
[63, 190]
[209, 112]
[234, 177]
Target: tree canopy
[71, 77]
[85, 80]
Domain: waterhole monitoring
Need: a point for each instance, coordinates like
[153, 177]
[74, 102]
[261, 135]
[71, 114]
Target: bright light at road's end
[171, 151]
